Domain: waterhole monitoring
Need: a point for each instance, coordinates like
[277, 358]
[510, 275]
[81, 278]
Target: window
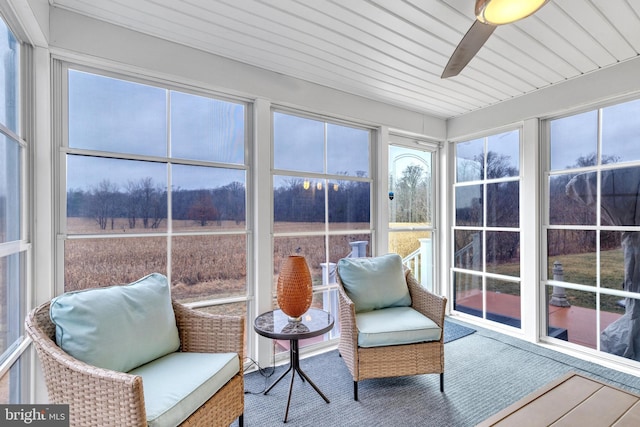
[486, 233]
[13, 244]
[155, 181]
[592, 231]
[411, 205]
[322, 190]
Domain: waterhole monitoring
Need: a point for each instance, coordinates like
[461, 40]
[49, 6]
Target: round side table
[276, 325]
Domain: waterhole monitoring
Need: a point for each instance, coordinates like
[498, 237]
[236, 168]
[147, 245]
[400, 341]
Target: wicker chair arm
[117, 397]
[431, 305]
[209, 333]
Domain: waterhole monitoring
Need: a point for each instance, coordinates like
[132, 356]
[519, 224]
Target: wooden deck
[579, 322]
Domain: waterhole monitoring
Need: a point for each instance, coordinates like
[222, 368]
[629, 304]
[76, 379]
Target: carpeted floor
[484, 372]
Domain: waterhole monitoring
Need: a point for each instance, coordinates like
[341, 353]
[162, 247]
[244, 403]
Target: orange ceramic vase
[294, 287]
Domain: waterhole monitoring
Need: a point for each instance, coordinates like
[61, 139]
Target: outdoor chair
[389, 324]
[146, 360]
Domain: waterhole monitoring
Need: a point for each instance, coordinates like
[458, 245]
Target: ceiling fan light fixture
[499, 12]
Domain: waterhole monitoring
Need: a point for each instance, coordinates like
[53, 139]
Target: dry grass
[202, 267]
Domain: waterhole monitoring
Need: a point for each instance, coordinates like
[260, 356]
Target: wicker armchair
[101, 397]
[396, 360]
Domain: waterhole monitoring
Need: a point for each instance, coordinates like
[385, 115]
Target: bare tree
[103, 206]
[203, 210]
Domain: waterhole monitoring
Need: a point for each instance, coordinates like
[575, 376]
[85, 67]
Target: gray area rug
[484, 372]
[454, 331]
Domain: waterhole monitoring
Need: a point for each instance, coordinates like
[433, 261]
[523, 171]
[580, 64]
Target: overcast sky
[114, 115]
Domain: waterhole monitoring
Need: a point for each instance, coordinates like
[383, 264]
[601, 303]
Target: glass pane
[207, 198]
[469, 205]
[503, 155]
[621, 132]
[470, 160]
[298, 204]
[349, 205]
[11, 383]
[572, 256]
[405, 243]
[503, 204]
[9, 69]
[620, 196]
[574, 141]
[298, 143]
[208, 267]
[468, 249]
[614, 272]
[311, 247]
[93, 263]
[575, 323]
[347, 151]
[109, 114]
[349, 246]
[467, 293]
[503, 302]
[503, 253]
[416, 250]
[617, 325]
[572, 199]
[410, 186]
[113, 196]
[11, 301]
[10, 189]
[206, 129]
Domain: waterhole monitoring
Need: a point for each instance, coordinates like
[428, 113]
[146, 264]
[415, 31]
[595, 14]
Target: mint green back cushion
[375, 283]
[119, 327]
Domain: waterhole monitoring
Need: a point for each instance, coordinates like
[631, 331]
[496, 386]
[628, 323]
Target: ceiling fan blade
[468, 47]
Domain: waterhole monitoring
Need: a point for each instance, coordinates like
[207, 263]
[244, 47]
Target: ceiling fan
[489, 14]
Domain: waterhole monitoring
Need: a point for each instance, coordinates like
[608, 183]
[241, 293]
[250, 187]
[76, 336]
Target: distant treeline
[144, 203]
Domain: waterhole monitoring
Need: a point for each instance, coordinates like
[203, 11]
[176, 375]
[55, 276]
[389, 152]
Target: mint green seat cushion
[375, 283]
[119, 327]
[179, 383]
[395, 326]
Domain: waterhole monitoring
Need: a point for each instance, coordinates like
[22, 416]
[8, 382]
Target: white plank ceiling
[393, 51]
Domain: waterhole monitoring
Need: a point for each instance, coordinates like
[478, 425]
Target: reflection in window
[469, 208]
[602, 198]
[470, 160]
[10, 189]
[486, 231]
[621, 131]
[13, 233]
[9, 70]
[574, 141]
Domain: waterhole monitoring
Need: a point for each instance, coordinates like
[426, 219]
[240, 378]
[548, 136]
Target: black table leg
[294, 366]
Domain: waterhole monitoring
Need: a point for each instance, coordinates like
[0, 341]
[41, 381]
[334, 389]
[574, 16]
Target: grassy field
[580, 269]
[202, 267]
[206, 267]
